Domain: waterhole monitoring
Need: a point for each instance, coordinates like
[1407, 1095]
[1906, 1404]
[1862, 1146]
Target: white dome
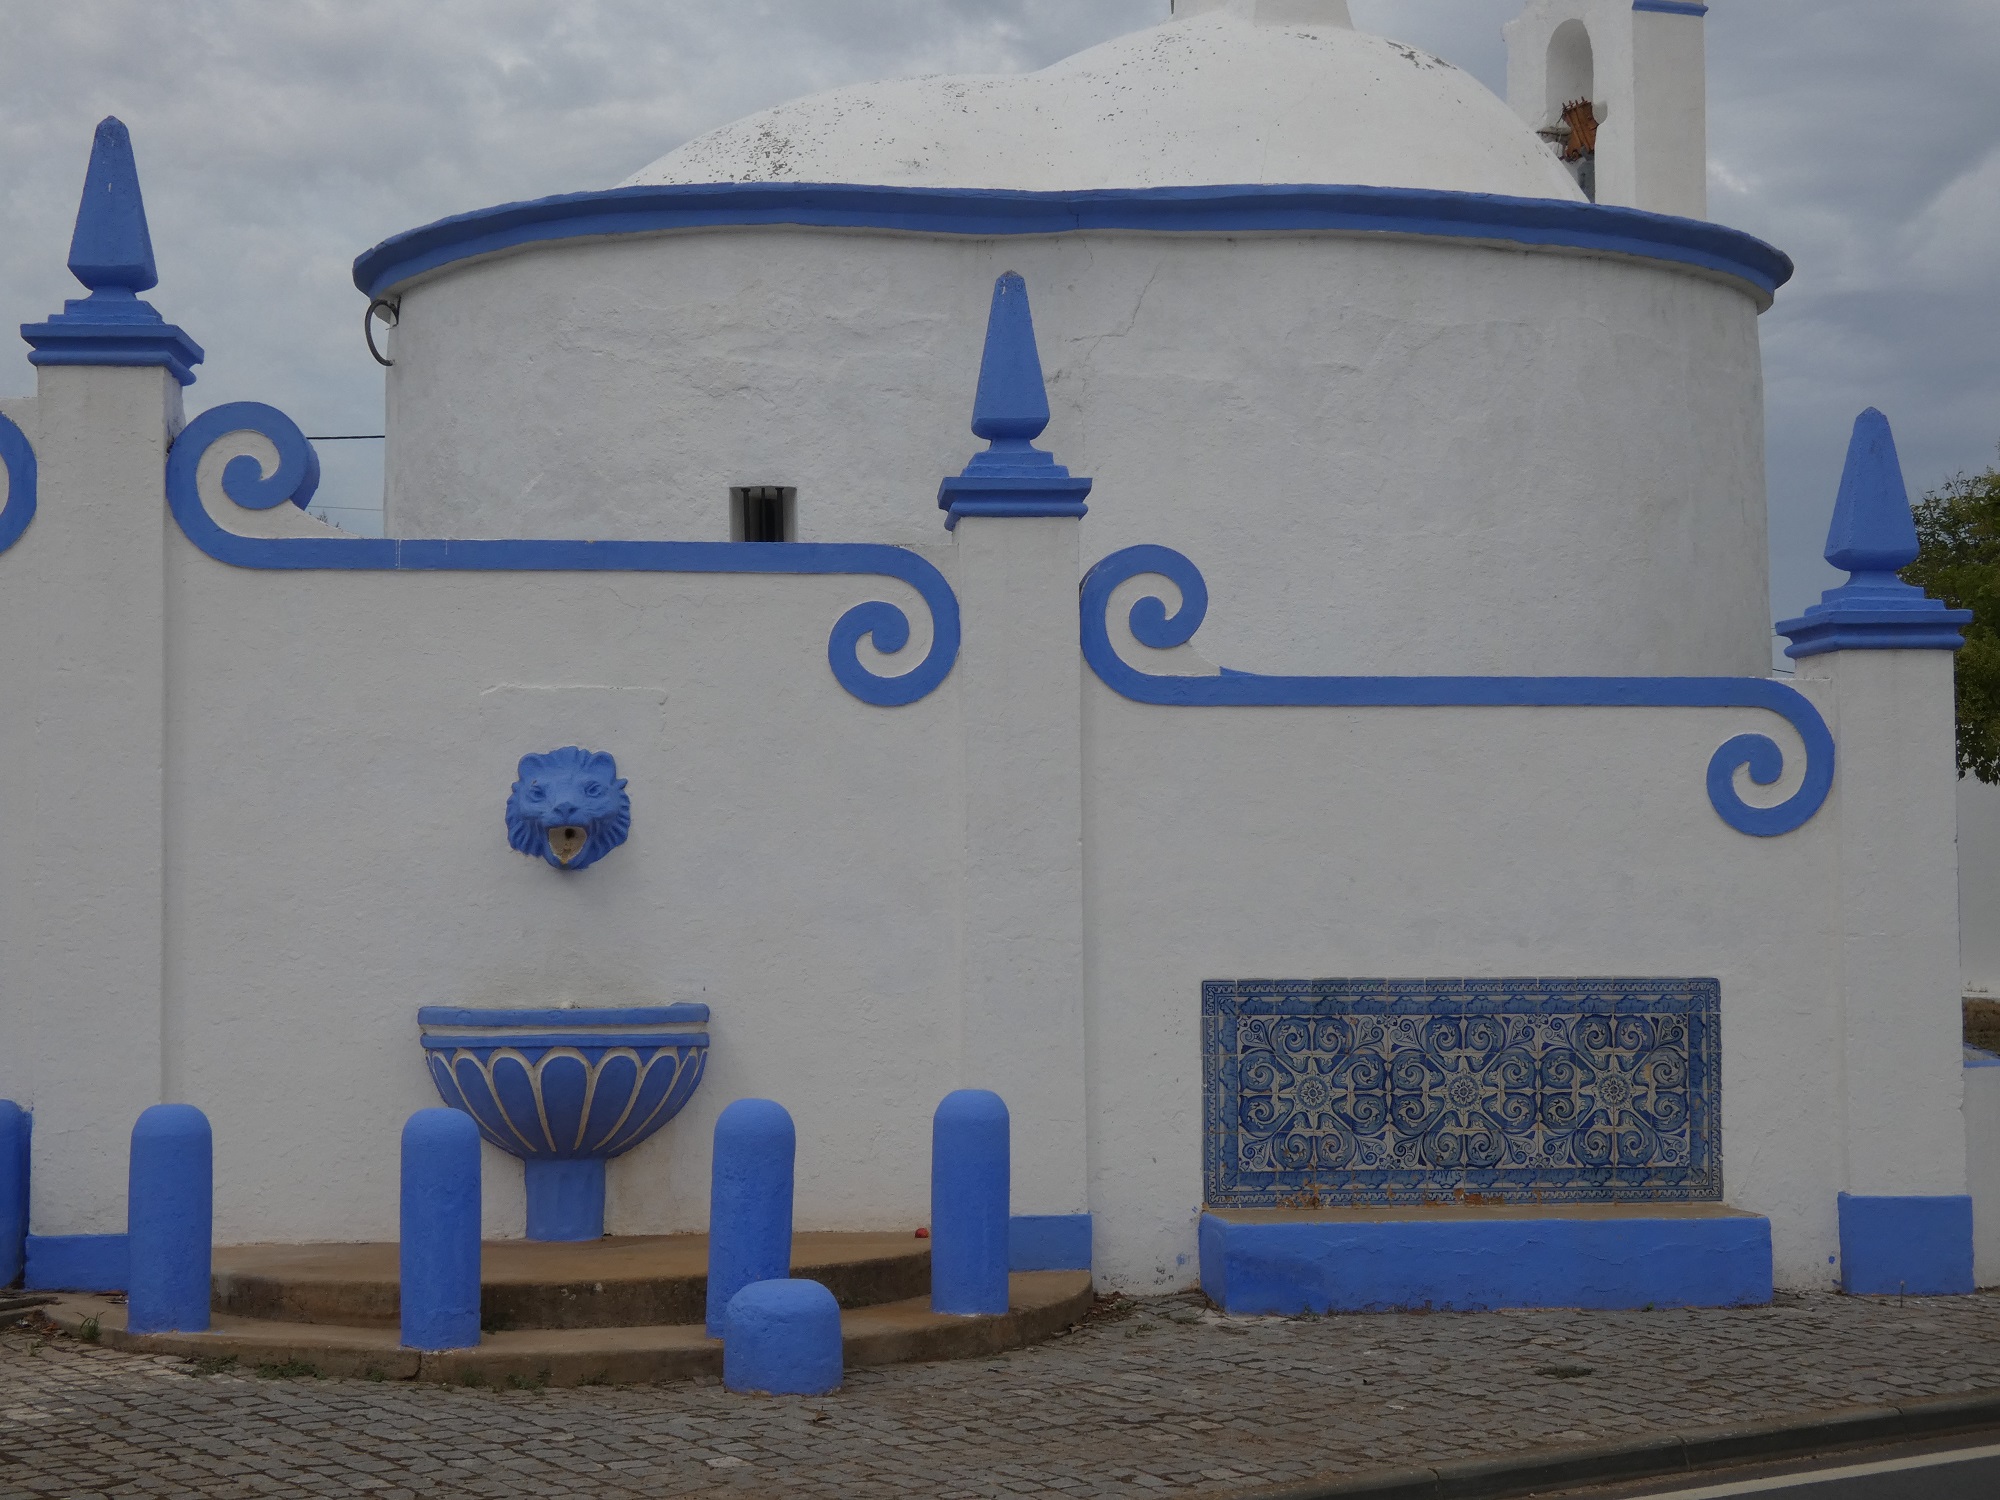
[1242, 93]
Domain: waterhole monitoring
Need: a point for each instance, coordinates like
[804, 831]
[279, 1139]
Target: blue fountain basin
[566, 1085]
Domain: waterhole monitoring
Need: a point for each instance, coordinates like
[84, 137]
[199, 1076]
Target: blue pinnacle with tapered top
[1012, 477]
[111, 246]
[111, 252]
[1873, 535]
[1013, 399]
[1873, 530]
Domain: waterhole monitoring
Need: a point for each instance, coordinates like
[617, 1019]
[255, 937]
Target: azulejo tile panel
[1327, 1092]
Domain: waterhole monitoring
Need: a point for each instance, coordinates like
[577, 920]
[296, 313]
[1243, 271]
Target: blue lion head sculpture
[569, 808]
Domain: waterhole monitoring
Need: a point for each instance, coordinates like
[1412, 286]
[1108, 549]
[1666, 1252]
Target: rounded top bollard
[761, 1124]
[972, 1107]
[439, 1126]
[782, 1300]
[172, 1122]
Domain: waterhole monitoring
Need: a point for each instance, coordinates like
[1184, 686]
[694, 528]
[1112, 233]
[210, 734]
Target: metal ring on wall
[390, 305]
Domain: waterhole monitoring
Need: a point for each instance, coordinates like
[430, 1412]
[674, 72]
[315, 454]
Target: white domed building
[1404, 882]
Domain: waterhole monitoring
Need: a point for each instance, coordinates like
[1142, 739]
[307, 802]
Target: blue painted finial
[1873, 531]
[1013, 399]
[111, 252]
[1012, 477]
[111, 247]
[1873, 536]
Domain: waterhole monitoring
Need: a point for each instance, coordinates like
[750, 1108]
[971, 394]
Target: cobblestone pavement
[1153, 1397]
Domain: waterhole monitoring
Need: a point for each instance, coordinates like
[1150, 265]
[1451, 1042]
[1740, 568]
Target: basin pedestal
[565, 1198]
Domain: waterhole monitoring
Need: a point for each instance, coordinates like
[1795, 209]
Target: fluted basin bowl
[566, 1090]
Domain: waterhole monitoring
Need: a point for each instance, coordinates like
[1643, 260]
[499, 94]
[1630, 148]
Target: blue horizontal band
[1672, 7]
[657, 1015]
[582, 1041]
[1152, 627]
[297, 473]
[1420, 212]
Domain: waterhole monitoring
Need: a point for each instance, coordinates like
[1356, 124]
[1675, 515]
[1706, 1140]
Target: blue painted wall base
[78, 1263]
[1915, 1247]
[16, 1126]
[565, 1198]
[1284, 1264]
[1048, 1242]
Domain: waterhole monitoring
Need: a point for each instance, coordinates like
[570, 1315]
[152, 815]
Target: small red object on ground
[923, 1234]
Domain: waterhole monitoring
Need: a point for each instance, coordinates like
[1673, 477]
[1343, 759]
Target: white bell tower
[1642, 65]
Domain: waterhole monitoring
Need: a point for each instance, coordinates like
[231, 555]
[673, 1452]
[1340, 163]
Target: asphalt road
[1957, 1474]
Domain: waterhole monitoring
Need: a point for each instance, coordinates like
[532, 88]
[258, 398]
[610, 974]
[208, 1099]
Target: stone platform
[613, 1311]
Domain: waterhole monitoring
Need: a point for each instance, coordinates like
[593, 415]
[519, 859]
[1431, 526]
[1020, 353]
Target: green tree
[1958, 531]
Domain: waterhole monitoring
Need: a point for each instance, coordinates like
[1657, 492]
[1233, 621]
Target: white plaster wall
[1021, 997]
[337, 858]
[81, 892]
[1897, 918]
[1979, 888]
[1308, 843]
[1982, 1156]
[1397, 456]
[334, 858]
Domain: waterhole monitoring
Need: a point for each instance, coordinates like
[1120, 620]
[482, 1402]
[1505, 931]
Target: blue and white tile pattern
[1333, 1092]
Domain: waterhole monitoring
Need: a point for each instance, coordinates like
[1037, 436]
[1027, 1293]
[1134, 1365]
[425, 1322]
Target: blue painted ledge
[296, 477]
[78, 1263]
[1281, 1262]
[1905, 1246]
[1551, 223]
[1048, 1242]
[1154, 628]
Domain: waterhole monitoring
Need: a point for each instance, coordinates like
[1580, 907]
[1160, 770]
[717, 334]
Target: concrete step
[627, 1281]
[1041, 1304]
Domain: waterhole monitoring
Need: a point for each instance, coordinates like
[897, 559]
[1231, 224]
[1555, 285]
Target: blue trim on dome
[984, 212]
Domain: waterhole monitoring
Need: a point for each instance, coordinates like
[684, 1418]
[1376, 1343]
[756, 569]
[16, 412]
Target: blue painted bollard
[749, 1202]
[782, 1338]
[970, 1166]
[440, 1227]
[170, 1220]
[14, 1129]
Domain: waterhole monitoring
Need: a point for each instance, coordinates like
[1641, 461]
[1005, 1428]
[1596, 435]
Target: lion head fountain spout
[566, 1090]
[569, 808]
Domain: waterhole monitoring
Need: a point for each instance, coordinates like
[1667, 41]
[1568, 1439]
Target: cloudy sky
[279, 138]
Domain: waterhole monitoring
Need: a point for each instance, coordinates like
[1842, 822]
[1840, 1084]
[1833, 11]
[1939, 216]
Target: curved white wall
[1386, 455]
